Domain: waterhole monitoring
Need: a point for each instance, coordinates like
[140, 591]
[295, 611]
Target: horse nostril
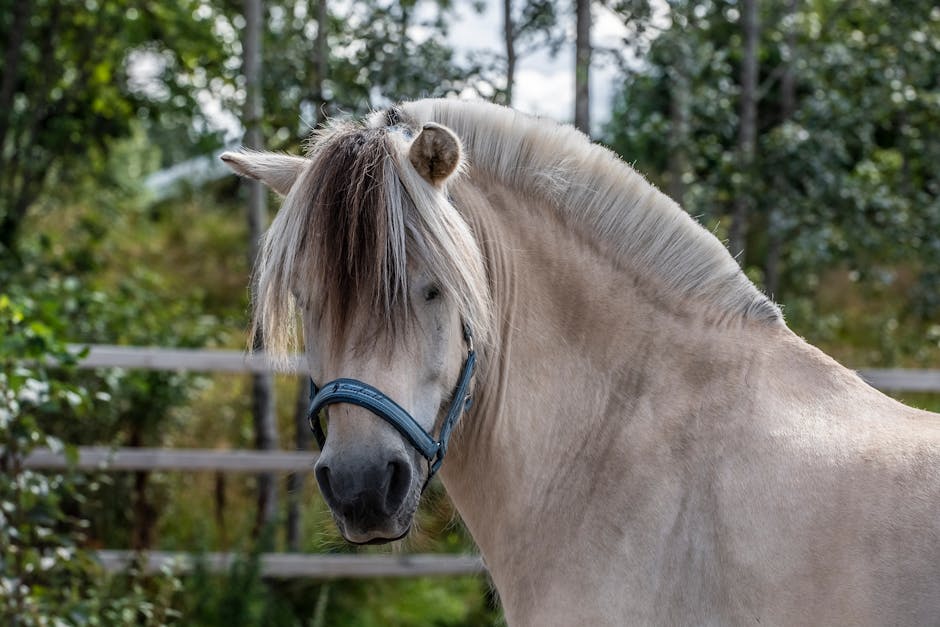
[322, 473]
[399, 484]
[365, 494]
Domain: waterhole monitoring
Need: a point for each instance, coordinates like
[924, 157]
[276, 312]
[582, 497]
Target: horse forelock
[348, 233]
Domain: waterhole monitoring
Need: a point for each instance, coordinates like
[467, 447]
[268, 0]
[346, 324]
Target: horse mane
[593, 188]
[346, 232]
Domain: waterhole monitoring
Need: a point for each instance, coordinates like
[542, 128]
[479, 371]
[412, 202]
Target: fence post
[295, 481]
[263, 404]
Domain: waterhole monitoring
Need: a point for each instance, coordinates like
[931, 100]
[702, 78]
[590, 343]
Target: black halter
[362, 394]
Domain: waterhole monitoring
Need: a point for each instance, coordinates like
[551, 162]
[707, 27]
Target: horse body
[639, 466]
[650, 444]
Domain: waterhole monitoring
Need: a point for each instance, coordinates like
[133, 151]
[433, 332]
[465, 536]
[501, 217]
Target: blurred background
[804, 133]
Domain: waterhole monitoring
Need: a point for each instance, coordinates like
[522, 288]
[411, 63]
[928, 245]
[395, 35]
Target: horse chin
[375, 530]
[377, 539]
[383, 536]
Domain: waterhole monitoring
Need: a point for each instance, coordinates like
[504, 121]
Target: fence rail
[168, 459]
[179, 359]
[176, 359]
[296, 565]
[902, 379]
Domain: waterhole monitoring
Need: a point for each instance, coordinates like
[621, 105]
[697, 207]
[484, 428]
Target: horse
[641, 439]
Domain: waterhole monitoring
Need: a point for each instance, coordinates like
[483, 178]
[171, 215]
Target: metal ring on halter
[362, 394]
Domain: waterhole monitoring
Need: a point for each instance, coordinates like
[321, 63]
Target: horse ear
[435, 153]
[277, 171]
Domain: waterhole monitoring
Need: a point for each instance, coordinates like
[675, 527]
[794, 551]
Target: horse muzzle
[372, 501]
[374, 497]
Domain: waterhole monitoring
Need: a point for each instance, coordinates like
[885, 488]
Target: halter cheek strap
[358, 393]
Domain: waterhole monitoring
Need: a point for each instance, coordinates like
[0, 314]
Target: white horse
[648, 442]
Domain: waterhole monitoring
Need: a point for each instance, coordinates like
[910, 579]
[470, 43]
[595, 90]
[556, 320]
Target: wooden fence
[298, 565]
[287, 564]
[280, 565]
[178, 460]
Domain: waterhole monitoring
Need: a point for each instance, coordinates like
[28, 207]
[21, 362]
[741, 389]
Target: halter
[362, 394]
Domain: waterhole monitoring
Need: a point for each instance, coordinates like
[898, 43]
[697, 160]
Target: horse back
[843, 509]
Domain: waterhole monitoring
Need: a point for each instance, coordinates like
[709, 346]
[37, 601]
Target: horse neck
[587, 369]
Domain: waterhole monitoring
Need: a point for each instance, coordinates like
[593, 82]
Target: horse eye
[432, 293]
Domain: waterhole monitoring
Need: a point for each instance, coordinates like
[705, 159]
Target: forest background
[802, 132]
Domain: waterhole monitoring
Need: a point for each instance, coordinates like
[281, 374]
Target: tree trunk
[18, 157]
[509, 38]
[12, 206]
[10, 71]
[262, 405]
[787, 107]
[678, 132]
[219, 498]
[9, 229]
[320, 63]
[145, 515]
[18, 200]
[263, 411]
[582, 67]
[295, 481]
[747, 131]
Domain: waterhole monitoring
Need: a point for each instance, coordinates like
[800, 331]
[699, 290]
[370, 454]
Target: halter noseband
[362, 394]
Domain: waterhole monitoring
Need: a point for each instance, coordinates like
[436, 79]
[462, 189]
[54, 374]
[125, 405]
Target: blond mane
[593, 188]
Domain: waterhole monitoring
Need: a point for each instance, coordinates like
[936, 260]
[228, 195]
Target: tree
[747, 127]
[54, 124]
[262, 407]
[635, 15]
[787, 108]
[47, 572]
[841, 168]
[533, 25]
[582, 66]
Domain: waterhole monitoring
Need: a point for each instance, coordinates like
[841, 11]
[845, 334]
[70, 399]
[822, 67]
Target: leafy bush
[46, 576]
[113, 406]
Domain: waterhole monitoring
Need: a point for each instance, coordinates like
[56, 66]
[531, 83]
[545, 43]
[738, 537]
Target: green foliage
[239, 598]
[845, 176]
[77, 75]
[37, 541]
[119, 407]
[77, 269]
[44, 571]
[537, 25]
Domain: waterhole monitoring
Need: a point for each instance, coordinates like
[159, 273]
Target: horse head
[388, 280]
